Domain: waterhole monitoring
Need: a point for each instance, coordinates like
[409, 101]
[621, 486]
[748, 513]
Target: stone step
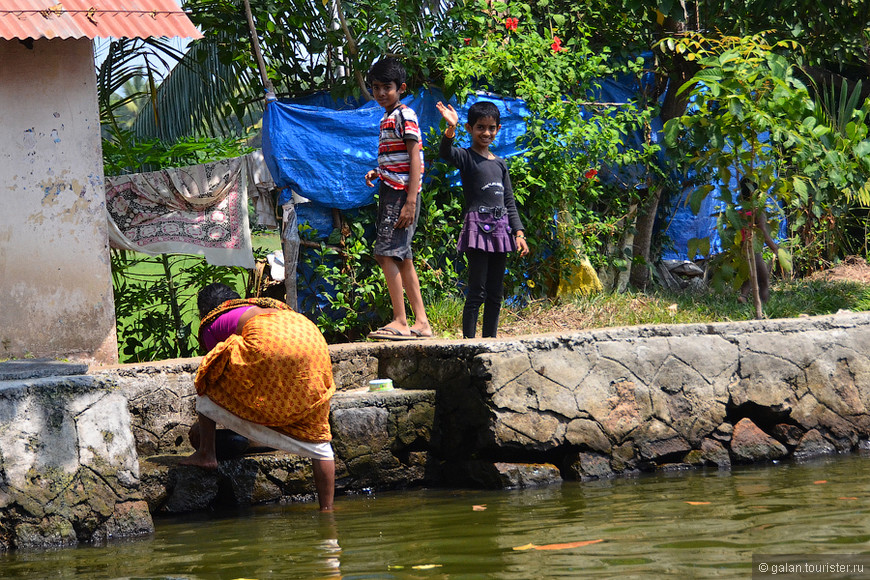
[381, 441]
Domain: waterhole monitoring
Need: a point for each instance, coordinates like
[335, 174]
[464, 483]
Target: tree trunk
[753, 277]
[255, 47]
[641, 266]
[673, 106]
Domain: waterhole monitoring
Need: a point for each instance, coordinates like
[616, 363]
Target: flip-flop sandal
[390, 333]
[419, 334]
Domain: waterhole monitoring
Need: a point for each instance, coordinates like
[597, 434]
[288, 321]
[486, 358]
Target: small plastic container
[381, 385]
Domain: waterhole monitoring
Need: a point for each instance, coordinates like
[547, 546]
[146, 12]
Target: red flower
[511, 23]
[467, 41]
[591, 173]
[557, 44]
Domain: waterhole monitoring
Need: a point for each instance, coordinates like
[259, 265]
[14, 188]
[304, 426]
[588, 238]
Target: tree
[569, 137]
[754, 119]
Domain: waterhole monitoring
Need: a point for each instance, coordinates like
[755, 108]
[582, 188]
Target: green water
[647, 528]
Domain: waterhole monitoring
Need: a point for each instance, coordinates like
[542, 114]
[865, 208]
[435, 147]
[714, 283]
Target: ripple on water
[701, 524]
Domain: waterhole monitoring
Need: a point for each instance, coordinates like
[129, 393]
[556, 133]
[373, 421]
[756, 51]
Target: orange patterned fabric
[276, 373]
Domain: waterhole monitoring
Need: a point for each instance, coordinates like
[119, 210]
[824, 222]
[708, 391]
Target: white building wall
[55, 277]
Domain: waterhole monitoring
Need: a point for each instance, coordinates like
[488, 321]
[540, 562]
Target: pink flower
[557, 44]
[511, 23]
[591, 173]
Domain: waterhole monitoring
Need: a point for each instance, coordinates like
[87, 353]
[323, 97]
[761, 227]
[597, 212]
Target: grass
[788, 300]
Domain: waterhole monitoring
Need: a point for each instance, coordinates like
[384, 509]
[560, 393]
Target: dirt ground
[851, 269]
[546, 318]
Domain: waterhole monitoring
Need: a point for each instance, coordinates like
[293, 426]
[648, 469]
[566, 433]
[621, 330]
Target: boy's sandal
[390, 333]
[419, 334]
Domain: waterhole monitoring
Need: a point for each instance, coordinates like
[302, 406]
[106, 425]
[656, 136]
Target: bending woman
[267, 376]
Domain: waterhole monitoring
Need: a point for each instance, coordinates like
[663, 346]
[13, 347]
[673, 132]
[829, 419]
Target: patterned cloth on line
[201, 209]
[277, 373]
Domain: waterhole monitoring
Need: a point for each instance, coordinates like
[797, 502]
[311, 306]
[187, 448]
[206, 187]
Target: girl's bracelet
[521, 236]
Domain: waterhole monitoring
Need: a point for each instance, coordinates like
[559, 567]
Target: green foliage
[155, 302]
[569, 139]
[748, 107]
[351, 294]
[125, 154]
[754, 119]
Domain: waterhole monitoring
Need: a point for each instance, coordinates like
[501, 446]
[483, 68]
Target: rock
[787, 434]
[508, 475]
[813, 444]
[587, 466]
[587, 433]
[750, 444]
[69, 471]
[714, 453]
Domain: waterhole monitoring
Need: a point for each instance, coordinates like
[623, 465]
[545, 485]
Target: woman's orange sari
[277, 372]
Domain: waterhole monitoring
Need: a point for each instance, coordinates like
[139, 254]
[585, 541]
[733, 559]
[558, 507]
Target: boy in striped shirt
[400, 168]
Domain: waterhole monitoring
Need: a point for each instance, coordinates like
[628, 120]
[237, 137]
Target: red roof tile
[22, 19]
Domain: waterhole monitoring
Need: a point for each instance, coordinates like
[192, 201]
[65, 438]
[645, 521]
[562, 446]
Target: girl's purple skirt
[481, 231]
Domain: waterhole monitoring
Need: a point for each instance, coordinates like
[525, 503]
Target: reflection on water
[698, 524]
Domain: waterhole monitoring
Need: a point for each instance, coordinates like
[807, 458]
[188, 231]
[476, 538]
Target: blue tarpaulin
[322, 148]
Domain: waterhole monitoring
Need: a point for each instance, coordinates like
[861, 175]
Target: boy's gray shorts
[390, 241]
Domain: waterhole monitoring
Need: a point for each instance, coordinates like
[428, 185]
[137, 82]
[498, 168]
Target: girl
[490, 213]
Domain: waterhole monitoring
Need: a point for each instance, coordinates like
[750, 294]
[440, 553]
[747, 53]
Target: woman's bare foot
[200, 459]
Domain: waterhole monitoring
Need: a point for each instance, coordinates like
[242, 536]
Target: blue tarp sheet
[322, 148]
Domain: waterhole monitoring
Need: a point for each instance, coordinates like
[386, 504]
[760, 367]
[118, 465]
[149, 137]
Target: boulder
[749, 444]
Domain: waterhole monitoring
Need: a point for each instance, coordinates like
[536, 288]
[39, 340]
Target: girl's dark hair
[482, 109]
[213, 296]
[387, 70]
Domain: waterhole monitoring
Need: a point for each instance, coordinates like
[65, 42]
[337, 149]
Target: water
[647, 526]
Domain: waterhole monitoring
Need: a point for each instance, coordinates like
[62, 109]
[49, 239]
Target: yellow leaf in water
[698, 502]
[526, 547]
[478, 508]
[821, 481]
[847, 498]
[568, 545]
[426, 566]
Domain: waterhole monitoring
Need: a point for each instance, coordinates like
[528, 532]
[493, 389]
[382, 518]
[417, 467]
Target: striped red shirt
[394, 162]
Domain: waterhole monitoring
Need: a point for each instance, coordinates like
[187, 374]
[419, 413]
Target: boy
[490, 213]
[400, 167]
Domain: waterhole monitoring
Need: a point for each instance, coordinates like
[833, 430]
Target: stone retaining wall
[489, 412]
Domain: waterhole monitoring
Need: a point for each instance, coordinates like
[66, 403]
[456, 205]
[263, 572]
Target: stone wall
[613, 401]
[68, 466]
[81, 457]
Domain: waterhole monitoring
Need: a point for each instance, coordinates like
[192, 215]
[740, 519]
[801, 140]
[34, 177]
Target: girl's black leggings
[485, 286]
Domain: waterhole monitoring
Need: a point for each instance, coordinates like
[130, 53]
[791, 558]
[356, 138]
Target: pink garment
[223, 327]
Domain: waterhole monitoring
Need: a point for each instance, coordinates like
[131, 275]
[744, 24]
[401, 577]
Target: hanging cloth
[200, 209]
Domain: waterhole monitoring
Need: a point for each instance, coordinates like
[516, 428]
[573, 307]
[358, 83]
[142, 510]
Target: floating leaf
[698, 502]
[568, 545]
[526, 547]
[820, 481]
[426, 566]
[558, 546]
[478, 508]
[849, 498]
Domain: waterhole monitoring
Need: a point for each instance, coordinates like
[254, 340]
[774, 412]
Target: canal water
[688, 524]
